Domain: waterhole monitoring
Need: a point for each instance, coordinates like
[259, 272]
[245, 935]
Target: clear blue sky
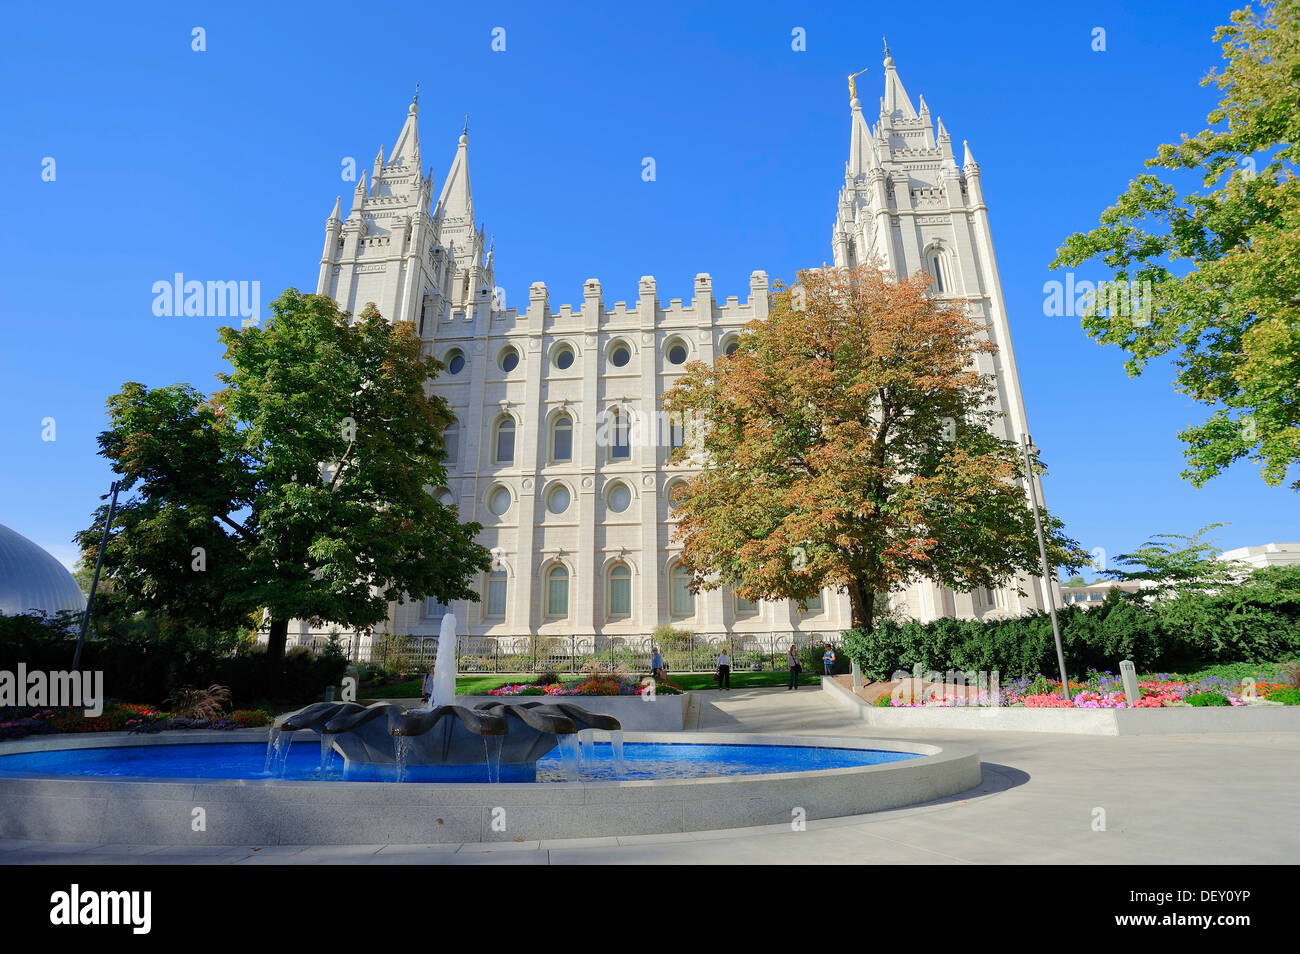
[224, 165]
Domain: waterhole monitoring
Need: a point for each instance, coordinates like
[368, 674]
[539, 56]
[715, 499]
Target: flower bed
[121, 717]
[1103, 690]
[584, 687]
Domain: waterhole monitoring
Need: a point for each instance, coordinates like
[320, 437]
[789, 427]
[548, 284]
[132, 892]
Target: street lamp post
[1042, 553]
[94, 580]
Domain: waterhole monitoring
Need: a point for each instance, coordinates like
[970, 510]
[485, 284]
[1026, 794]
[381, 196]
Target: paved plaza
[1210, 799]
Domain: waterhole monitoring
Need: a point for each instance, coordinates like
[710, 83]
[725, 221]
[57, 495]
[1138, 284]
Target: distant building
[33, 581]
[1269, 554]
[1089, 595]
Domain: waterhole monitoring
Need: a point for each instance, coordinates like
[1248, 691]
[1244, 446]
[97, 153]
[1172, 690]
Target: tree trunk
[278, 636]
[862, 605]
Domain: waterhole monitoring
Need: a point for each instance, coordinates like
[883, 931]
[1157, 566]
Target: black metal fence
[749, 652]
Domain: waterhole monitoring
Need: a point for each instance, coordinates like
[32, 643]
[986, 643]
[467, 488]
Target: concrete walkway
[1225, 799]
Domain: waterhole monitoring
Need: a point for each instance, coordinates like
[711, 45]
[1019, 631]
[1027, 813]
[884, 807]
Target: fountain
[442, 734]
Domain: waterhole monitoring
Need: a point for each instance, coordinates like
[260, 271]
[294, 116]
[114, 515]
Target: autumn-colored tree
[1222, 267]
[303, 488]
[848, 443]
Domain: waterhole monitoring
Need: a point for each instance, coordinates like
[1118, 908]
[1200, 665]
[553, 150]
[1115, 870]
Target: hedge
[1249, 623]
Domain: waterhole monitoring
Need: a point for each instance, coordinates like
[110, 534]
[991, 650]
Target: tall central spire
[896, 104]
[407, 150]
[456, 200]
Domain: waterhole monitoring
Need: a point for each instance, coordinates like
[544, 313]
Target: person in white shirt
[724, 670]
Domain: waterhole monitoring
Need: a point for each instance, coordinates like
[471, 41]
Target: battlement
[647, 287]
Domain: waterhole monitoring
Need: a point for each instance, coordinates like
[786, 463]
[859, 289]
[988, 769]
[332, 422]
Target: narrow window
[680, 600]
[620, 591]
[496, 594]
[506, 441]
[451, 441]
[562, 439]
[621, 448]
[557, 592]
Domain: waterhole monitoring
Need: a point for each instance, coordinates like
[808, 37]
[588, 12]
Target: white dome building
[31, 580]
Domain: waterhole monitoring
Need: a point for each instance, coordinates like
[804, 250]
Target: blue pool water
[247, 760]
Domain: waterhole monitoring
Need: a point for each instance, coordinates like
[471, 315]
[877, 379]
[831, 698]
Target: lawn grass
[477, 684]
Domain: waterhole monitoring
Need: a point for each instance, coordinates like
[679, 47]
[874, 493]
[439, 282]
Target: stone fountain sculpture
[442, 733]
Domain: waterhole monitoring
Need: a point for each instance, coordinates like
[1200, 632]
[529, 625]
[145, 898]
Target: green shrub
[1288, 697]
[1257, 621]
[1206, 699]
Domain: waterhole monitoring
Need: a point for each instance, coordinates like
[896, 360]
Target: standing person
[792, 663]
[724, 670]
[657, 665]
[828, 660]
[426, 693]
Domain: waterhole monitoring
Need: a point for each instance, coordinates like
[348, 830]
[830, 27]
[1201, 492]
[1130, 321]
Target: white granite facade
[576, 514]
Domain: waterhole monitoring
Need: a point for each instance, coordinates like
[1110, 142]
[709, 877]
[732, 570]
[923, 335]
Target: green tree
[1175, 564]
[848, 442]
[302, 488]
[1222, 265]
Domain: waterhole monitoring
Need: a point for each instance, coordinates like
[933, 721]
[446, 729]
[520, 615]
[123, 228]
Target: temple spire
[456, 200]
[896, 103]
[407, 150]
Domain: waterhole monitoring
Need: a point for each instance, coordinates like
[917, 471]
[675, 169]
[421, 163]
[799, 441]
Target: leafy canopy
[849, 442]
[1223, 264]
[302, 487]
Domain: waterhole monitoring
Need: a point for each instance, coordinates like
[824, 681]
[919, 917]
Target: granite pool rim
[142, 810]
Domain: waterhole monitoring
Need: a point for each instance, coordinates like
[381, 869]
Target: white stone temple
[557, 451]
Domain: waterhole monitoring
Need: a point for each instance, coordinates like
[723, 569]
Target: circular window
[499, 502]
[620, 498]
[564, 359]
[509, 359]
[620, 356]
[558, 501]
[455, 362]
[676, 353]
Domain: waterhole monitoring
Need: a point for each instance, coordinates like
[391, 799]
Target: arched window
[681, 602]
[451, 441]
[562, 438]
[936, 263]
[745, 607]
[620, 591]
[675, 494]
[495, 598]
[505, 442]
[676, 432]
[620, 435]
[557, 592]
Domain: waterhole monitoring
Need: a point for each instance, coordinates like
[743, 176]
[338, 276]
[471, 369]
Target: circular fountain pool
[205, 788]
[641, 761]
